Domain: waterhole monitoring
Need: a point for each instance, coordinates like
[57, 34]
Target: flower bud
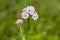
[25, 15]
[35, 16]
[19, 22]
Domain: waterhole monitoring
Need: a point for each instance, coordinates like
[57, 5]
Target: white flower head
[35, 16]
[29, 9]
[19, 22]
[25, 15]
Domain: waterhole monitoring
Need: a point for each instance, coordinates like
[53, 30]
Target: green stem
[23, 38]
[27, 33]
[28, 26]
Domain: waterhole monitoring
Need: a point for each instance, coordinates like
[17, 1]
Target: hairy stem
[23, 38]
[28, 25]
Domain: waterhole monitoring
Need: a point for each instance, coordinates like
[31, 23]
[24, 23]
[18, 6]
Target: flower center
[35, 16]
[28, 10]
[25, 16]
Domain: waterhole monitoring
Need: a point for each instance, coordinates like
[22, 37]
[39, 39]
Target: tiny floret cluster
[29, 10]
[35, 16]
[25, 15]
[19, 22]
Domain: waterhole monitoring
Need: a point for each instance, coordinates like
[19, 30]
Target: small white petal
[35, 16]
[25, 15]
[19, 22]
[31, 13]
[24, 9]
[30, 9]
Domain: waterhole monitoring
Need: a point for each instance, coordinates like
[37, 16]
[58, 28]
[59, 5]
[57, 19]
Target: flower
[29, 9]
[19, 22]
[35, 16]
[25, 15]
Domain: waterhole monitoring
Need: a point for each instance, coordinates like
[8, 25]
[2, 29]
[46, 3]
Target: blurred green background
[47, 27]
